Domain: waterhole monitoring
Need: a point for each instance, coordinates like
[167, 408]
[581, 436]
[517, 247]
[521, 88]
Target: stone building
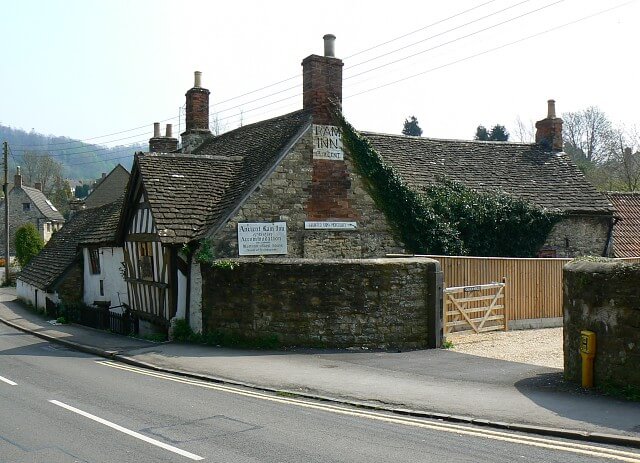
[29, 205]
[286, 187]
[80, 264]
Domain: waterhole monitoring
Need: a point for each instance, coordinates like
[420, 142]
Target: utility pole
[5, 189]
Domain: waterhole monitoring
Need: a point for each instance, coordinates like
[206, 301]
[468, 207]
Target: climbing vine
[448, 217]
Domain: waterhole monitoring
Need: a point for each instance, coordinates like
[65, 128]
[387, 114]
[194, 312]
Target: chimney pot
[156, 129]
[169, 131]
[329, 45]
[197, 79]
[551, 111]
[104, 174]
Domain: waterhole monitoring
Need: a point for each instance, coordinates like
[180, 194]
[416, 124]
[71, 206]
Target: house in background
[79, 264]
[29, 205]
[626, 231]
[286, 187]
[109, 188]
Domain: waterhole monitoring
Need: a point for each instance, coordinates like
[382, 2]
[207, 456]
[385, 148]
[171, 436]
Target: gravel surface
[537, 347]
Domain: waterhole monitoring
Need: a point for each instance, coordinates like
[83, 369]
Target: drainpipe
[608, 247]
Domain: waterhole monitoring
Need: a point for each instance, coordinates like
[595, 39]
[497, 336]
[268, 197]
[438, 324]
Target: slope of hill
[80, 160]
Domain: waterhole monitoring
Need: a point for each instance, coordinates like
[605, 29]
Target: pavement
[435, 383]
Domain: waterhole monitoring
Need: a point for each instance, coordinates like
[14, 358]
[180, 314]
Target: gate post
[435, 306]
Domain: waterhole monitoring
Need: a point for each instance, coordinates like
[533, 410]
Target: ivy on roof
[448, 217]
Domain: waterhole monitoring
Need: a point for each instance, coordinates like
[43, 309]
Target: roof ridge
[412, 137]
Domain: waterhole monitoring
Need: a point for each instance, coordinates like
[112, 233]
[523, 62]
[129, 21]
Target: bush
[28, 243]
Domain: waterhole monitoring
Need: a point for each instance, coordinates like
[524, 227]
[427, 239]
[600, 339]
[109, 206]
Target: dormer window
[26, 207]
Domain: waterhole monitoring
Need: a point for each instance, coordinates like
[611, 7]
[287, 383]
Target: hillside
[80, 160]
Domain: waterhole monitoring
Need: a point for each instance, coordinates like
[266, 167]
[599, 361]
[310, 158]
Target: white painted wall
[181, 312]
[115, 288]
[33, 295]
[195, 298]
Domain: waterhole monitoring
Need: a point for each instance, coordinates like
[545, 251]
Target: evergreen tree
[481, 133]
[499, 133]
[411, 127]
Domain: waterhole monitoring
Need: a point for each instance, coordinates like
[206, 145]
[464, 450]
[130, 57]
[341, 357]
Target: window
[145, 260]
[94, 260]
[26, 207]
[101, 287]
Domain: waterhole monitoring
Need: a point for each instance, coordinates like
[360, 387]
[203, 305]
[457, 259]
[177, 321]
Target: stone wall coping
[599, 266]
[313, 262]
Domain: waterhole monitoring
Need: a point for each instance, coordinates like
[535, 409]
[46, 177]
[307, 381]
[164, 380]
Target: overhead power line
[469, 57]
[461, 13]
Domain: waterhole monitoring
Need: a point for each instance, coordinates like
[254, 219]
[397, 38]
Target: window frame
[94, 260]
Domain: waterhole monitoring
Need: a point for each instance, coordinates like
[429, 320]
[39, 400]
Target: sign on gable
[327, 143]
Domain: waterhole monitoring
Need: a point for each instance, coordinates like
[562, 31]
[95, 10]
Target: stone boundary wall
[373, 303]
[603, 297]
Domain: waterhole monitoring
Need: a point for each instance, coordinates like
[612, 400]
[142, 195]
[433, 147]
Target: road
[58, 405]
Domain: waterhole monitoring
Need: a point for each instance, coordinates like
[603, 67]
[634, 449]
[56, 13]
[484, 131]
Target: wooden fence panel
[534, 286]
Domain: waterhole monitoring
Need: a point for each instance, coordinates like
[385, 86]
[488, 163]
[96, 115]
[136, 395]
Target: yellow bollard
[588, 352]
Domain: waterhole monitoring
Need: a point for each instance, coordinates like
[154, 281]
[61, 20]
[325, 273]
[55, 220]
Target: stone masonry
[375, 303]
[581, 235]
[603, 297]
[18, 216]
[286, 195]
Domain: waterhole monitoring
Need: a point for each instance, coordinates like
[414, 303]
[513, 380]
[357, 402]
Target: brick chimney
[197, 115]
[17, 179]
[159, 144]
[322, 82]
[549, 130]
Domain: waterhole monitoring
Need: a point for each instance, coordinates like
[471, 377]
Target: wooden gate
[477, 308]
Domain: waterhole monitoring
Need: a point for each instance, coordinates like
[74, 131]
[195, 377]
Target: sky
[104, 71]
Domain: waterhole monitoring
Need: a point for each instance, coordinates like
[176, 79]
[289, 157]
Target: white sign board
[327, 143]
[330, 225]
[262, 238]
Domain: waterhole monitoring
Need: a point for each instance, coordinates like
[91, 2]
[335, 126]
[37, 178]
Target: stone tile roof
[545, 178]
[95, 226]
[41, 202]
[189, 194]
[626, 232]
[109, 189]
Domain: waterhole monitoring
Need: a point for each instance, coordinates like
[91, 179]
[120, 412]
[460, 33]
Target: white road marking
[137, 435]
[8, 381]
[568, 446]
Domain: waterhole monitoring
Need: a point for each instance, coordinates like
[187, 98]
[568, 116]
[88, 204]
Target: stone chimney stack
[17, 179]
[549, 130]
[322, 82]
[38, 186]
[160, 144]
[197, 115]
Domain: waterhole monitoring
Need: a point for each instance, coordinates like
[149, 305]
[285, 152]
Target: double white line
[552, 444]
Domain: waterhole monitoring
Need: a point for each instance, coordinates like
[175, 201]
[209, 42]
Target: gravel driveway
[537, 347]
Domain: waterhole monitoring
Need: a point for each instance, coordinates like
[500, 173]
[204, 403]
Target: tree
[28, 243]
[411, 127]
[588, 134]
[497, 133]
[525, 132]
[41, 167]
[481, 133]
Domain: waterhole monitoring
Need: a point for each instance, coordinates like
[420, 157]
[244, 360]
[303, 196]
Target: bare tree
[41, 167]
[627, 157]
[588, 134]
[524, 132]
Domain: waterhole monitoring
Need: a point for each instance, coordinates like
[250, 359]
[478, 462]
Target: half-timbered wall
[147, 263]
